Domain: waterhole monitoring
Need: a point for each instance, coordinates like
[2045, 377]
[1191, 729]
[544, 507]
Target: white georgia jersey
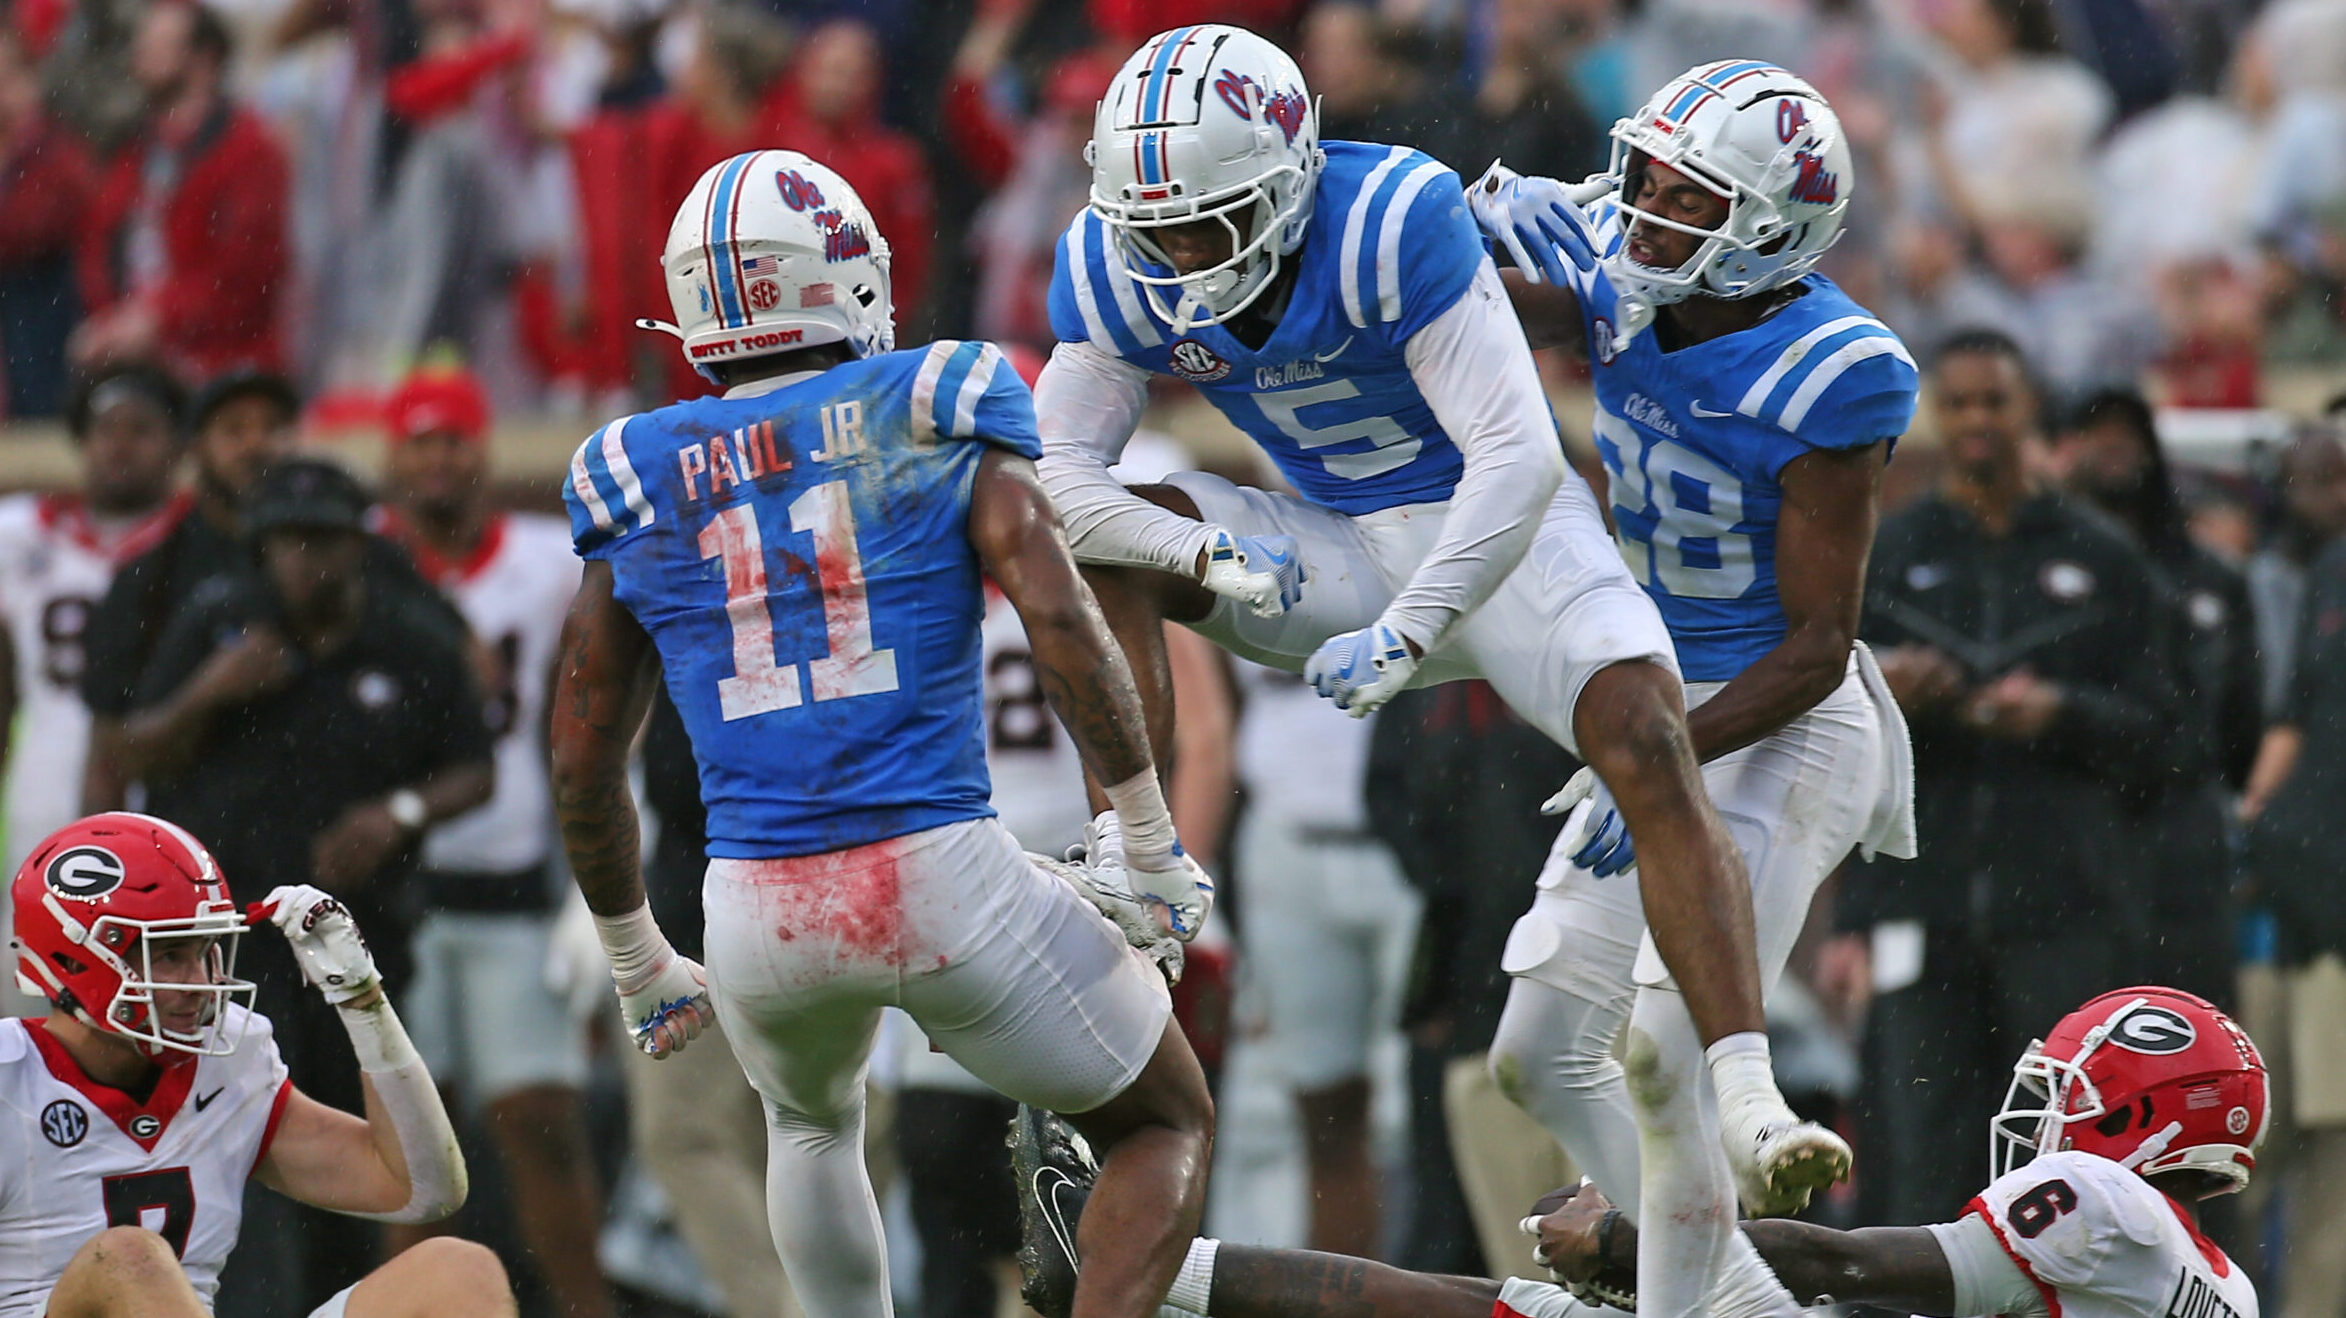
[513, 593]
[1302, 760]
[55, 565]
[77, 1157]
[1038, 776]
[2099, 1241]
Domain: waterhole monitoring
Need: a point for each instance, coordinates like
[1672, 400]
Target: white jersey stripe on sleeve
[973, 388]
[1793, 356]
[623, 473]
[1389, 238]
[583, 483]
[1830, 369]
[924, 388]
[1355, 223]
[1079, 280]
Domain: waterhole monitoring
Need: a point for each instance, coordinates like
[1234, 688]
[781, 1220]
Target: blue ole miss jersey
[1696, 439]
[1389, 247]
[801, 559]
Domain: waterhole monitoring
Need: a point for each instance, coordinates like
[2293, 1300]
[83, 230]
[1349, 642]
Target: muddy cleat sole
[1054, 1170]
[1780, 1161]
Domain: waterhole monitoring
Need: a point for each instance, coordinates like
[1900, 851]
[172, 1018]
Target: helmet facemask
[133, 947]
[1750, 251]
[1264, 219]
[2062, 1094]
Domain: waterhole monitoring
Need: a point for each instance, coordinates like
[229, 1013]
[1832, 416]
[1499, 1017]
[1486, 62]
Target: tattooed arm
[1294, 1283]
[603, 688]
[1082, 669]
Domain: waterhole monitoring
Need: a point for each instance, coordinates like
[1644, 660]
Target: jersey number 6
[759, 684]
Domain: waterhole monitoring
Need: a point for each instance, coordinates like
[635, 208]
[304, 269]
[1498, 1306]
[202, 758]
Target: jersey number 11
[759, 684]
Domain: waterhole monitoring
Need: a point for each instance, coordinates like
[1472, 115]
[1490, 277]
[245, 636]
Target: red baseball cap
[448, 399]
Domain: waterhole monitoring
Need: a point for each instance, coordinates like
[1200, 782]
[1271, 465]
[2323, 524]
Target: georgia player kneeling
[132, 1115]
[2137, 1106]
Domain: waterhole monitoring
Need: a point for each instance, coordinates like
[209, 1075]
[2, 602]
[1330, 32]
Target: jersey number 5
[760, 684]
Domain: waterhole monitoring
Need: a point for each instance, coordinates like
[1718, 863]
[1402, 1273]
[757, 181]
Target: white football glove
[1601, 844]
[668, 1007]
[326, 943]
[1361, 670]
[1178, 887]
[1546, 226]
[1105, 887]
[1265, 573]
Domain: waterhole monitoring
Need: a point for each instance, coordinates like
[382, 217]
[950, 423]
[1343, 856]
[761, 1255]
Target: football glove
[1362, 669]
[325, 940]
[667, 1007]
[1601, 844]
[1106, 888]
[1177, 886]
[1265, 573]
[1542, 223]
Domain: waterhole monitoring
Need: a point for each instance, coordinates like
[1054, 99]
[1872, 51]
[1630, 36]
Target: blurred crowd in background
[2135, 189]
[223, 227]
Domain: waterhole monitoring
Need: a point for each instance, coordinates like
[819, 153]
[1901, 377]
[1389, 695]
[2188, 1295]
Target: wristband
[1139, 803]
[636, 947]
[377, 1037]
[1608, 1227]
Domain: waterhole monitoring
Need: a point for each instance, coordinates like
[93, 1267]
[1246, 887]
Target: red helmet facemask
[2151, 1078]
[123, 920]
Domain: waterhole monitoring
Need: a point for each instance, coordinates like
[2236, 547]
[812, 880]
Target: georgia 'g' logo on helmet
[2152, 1030]
[84, 873]
[2149, 1077]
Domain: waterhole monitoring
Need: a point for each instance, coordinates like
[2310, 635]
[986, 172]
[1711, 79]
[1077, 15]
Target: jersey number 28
[760, 684]
[1695, 503]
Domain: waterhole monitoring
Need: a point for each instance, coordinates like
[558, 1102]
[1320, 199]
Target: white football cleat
[1779, 1160]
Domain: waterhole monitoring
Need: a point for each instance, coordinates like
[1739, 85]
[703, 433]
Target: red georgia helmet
[92, 903]
[2150, 1078]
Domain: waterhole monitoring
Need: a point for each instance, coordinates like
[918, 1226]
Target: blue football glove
[1601, 845]
[1361, 670]
[1544, 224]
[1263, 572]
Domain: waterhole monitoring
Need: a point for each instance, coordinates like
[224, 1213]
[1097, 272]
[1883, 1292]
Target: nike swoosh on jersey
[1701, 411]
[205, 1100]
[1335, 352]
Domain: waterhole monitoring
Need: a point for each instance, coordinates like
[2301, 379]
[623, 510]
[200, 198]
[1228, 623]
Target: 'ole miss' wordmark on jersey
[1389, 247]
[801, 558]
[2099, 1241]
[1696, 440]
[77, 1157]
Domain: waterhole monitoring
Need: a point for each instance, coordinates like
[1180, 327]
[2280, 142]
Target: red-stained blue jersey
[800, 556]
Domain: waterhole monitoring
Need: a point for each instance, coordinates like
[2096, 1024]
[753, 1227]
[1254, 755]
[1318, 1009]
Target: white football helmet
[1206, 122]
[1767, 144]
[772, 252]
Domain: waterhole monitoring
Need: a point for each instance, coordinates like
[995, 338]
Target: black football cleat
[1054, 1170]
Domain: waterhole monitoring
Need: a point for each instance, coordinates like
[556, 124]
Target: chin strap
[663, 327]
[2150, 1150]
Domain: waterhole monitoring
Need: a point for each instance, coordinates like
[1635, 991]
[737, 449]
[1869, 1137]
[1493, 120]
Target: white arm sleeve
[1087, 404]
[1476, 373]
[436, 1177]
[1987, 1281]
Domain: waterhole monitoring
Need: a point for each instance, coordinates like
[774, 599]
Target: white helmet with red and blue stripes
[1763, 141]
[1206, 122]
[771, 252]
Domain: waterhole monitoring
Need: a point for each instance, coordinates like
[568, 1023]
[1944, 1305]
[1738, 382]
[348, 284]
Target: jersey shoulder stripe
[1786, 391]
[1356, 222]
[605, 490]
[953, 375]
[1101, 287]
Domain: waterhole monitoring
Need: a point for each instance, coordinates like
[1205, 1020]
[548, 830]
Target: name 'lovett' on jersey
[798, 556]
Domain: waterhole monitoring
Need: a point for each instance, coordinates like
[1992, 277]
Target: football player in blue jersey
[1745, 407]
[1335, 301]
[800, 560]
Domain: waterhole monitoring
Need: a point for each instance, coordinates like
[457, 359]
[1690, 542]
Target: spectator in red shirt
[183, 254]
[828, 107]
[45, 183]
